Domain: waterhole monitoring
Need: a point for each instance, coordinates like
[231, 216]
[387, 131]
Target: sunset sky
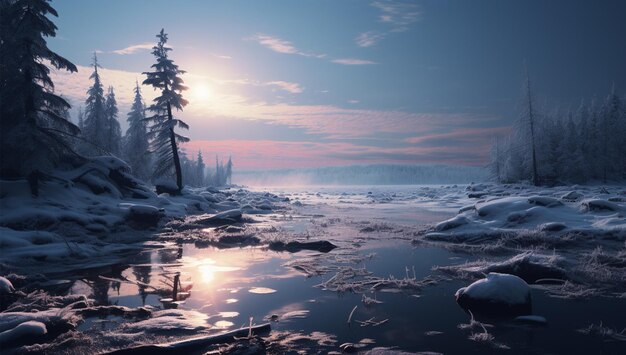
[282, 84]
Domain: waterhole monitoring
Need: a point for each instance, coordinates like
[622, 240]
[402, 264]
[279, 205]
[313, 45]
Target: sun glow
[201, 92]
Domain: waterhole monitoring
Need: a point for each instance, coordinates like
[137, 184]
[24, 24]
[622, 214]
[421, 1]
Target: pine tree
[166, 78]
[136, 150]
[530, 116]
[229, 170]
[200, 169]
[81, 118]
[113, 129]
[96, 125]
[28, 103]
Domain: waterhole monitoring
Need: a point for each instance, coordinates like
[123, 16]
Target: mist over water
[363, 175]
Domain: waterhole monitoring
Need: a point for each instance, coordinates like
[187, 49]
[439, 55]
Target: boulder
[497, 294]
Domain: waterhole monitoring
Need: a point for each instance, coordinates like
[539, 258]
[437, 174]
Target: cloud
[353, 101]
[264, 154]
[396, 15]
[293, 88]
[352, 61]
[368, 39]
[340, 134]
[281, 46]
[399, 15]
[134, 48]
[461, 136]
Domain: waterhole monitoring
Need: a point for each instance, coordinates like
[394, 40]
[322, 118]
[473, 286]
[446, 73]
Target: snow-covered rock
[572, 196]
[599, 205]
[26, 332]
[497, 294]
[451, 223]
[545, 201]
[6, 287]
[222, 218]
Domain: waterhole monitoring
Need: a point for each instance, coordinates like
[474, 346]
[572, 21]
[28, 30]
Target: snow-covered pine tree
[136, 144]
[166, 78]
[229, 170]
[113, 129]
[528, 118]
[94, 132]
[496, 161]
[612, 141]
[81, 118]
[200, 166]
[28, 106]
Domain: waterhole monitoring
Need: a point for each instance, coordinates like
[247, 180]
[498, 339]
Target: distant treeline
[364, 175]
[578, 145]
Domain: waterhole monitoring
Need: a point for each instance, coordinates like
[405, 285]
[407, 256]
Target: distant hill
[379, 174]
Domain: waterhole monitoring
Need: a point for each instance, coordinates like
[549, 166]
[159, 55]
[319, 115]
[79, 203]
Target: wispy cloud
[368, 39]
[293, 88]
[220, 56]
[282, 46]
[134, 48]
[352, 61]
[399, 15]
[403, 136]
[396, 15]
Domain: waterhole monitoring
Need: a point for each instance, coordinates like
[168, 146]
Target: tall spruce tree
[136, 144]
[166, 78]
[113, 129]
[95, 130]
[200, 166]
[28, 138]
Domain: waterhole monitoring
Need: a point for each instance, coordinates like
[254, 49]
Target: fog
[362, 175]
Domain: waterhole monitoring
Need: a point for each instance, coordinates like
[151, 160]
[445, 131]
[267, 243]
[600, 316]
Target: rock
[24, 333]
[552, 227]
[599, 205]
[572, 196]
[6, 287]
[544, 201]
[531, 319]
[222, 218]
[239, 239]
[451, 223]
[145, 215]
[497, 294]
[167, 188]
[323, 246]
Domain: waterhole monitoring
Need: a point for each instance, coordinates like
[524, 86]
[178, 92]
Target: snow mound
[529, 266]
[29, 329]
[497, 293]
[599, 205]
[451, 223]
[6, 286]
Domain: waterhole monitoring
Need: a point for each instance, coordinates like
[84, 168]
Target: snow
[82, 216]
[23, 330]
[6, 286]
[519, 208]
[497, 288]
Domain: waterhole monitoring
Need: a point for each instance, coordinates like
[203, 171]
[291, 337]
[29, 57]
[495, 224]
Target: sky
[298, 84]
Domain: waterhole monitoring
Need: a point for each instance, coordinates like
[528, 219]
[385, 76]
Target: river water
[233, 284]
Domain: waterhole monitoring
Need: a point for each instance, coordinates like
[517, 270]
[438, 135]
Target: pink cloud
[270, 154]
[471, 135]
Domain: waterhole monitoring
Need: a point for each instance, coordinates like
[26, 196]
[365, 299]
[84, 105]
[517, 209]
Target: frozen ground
[345, 269]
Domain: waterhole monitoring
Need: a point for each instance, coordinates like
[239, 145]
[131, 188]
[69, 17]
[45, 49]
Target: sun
[201, 92]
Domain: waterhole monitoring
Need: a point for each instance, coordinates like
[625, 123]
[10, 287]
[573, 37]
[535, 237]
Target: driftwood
[193, 343]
